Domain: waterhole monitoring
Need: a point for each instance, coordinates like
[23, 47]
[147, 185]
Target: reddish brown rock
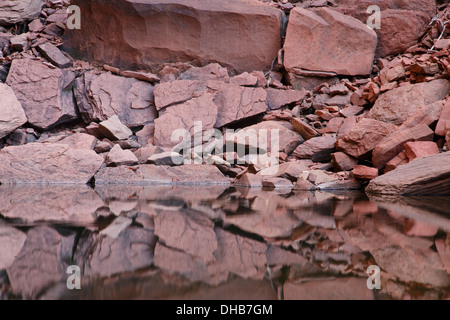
[303, 185]
[299, 82]
[44, 92]
[271, 136]
[149, 174]
[76, 205]
[343, 162]
[419, 149]
[364, 172]
[12, 115]
[391, 74]
[396, 161]
[250, 180]
[54, 55]
[420, 229]
[176, 124]
[146, 134]
[193, 38]
[277, 183]
[313, 35]
[330, 289]
[80, 141]
[280, 98]
[423, 176]
[212, 71]
[47, 163]
[139, 75]
[317, 149]
[400, 30]
[426, 115]
[305, 130]
[358, 8]
[364, 137]
[333, 126]
[346, 126]
[402, 22]
[119, 157]
[397, 105]
[351, 111]
[443, 119]
[447, 139]
[114, 129]
[244, 79]
[393, 144]
[237, 103]
[100, 97]
[443, 248]
[233, 102]
[12, 12]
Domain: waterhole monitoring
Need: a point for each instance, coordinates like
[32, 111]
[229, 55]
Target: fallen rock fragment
[428, 175]
[114, 129]
[119, 157]
[44, 92]
[396, 105]
[419, 149]
[325, 29]
[148, 174]
[47, 163]
[54, 55]
[12, 12]
[317, 149]
[12, 115]
[364, 137]
[101, 96]
[393, 144]
[364, 172]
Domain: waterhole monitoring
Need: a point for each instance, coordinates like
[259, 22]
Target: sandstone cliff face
[241, 35]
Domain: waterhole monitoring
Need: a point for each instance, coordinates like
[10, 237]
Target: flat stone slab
[428, 175]
[241, 35]
[149, 174]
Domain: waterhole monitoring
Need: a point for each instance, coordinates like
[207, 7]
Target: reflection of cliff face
[201, 243]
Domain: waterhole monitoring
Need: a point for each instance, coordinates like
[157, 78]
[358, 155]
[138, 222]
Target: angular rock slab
[44, 92]
[271, 136]
[364, 137]
[325, 40]
[13, 11]
[12, 115]
[428, 175]
[100, 97]
[75, 205]
[149, 174]
[397, 105]
[250, 33]
[177, 124]
[47, 163]
[402, 22]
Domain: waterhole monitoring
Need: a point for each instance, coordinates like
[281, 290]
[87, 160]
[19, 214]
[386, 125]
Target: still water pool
[161, 242]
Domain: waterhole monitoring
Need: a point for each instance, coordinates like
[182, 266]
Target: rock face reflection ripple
[186, 242]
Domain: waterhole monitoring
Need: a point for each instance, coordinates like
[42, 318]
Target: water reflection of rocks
[219, 243]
